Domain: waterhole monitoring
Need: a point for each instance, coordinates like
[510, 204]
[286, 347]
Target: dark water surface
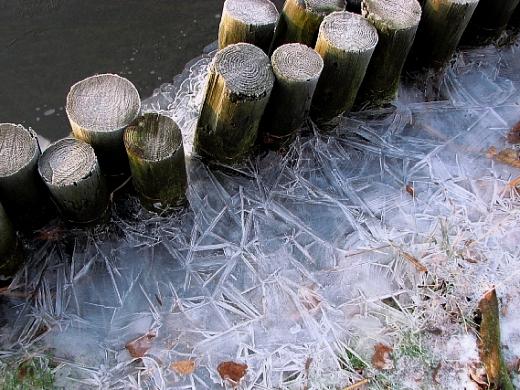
[48, 45]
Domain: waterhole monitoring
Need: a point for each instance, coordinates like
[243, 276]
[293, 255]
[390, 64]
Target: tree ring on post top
[103, 103]
[67, 162]
[18, 148]
[252, 12]
[153, 137]
[392, 14]
[349, 32]
[296, 62]
[246, 70]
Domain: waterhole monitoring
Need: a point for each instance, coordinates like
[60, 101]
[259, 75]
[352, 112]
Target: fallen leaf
[381, 358]
[410, 189]
[232, 371]
[141, 345]
[507, 156]
[514, 135]
[183, 367]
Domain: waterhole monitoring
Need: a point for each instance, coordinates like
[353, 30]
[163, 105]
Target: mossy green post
[249, 21]
[396, 22]
[346, 42]
[300, 21]
[297, 69]
[239, 85]
[489, 20]
[442, 24]
[22, 192]
[156, 154]
[99, 109]
[70, 170]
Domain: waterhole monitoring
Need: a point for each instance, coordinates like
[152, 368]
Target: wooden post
[249, 21]
[156, 154]
[239, 86]
[515, 19]
[70, 170]
[10, 258]
[346, 42]
[99, 109]
[22, 192]
[297, 69]
[300, 20]
[489, 20]
[442, 24]
[396, 22]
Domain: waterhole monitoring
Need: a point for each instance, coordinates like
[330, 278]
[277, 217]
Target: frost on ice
[293, 268]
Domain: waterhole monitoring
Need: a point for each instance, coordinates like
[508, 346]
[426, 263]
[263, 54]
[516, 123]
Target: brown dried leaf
[381, 358]
[410, 189]
[232, 371]
[514, 135]
[138, 347]
[183, 367]
[507, 156]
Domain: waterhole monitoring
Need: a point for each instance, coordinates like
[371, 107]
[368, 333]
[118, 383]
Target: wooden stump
[10, 260]
[239, 86]
[300, 20]
[346, 42]
[249, 21]
[156, 154]
[442, 24]
[99, 109]
[396, 22]
[70, 170]
[489, 20]
[297, 69]
[21, 190]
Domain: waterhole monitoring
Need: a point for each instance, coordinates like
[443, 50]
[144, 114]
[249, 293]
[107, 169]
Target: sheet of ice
[298, 264]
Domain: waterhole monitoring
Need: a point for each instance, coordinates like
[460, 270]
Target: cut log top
[103, 103]
[349, 32]
[296, 62]
[323, 7]
[246, 70]
[18, 147]
[392, 14]
[67, 162]
[153, 137]
[254, 12]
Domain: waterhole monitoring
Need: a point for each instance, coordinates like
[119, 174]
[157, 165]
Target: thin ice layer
[386, 231]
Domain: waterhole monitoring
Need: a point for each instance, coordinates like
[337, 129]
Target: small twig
[357, 385]
[416, 263]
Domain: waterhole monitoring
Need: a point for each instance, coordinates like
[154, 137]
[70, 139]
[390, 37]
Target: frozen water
[386, 230]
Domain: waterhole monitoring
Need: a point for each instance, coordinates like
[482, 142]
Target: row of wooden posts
[272, 71]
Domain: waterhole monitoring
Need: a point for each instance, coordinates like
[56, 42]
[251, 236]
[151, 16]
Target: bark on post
[489, 20]
[249, 21]
[346, 42]
[156, 154]
[297, 69]
[70, 170]
[99, 109]
[300, 20]
[10, 258]
[396, 22]
[22, 192]
[489, 343]
[239, 86]
[442, 24]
